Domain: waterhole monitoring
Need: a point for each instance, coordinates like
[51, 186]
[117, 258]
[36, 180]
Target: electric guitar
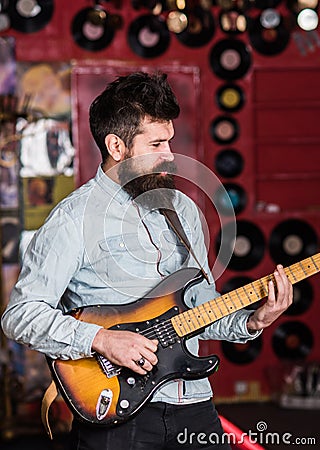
[100, 392]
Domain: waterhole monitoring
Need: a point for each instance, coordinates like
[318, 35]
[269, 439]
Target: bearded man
[110, 243]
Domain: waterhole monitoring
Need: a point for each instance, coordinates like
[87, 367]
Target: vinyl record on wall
[230, 59]
[242, 353]
[302, 298]
[30, 16]
[148, 36]
[268, 40]
[249, 245]
[230, 97]
[230, 199]
[200, 29]
[229, 163]
[91, 29]
[224, 129]
[236, 283]
[292, 340]
[292, 240]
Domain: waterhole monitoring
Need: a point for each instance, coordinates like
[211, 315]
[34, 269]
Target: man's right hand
[124, 348]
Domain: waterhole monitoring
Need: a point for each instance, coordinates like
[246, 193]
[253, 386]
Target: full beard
[154, 190]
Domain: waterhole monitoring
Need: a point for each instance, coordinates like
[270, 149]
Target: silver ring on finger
[140, 362]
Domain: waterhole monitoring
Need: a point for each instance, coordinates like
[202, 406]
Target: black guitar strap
[174, 221]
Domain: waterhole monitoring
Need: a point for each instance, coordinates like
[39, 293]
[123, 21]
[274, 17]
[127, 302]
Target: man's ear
[115, 147]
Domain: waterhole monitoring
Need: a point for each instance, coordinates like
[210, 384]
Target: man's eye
[156, 144]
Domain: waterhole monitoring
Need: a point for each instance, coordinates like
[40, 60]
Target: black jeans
[159, 426]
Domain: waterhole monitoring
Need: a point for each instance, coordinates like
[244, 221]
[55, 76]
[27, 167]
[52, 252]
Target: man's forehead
[149, 122]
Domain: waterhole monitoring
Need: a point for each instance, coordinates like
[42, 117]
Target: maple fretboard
[201, 316]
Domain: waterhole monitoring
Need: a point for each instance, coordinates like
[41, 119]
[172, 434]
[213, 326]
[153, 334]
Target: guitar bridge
[109, 369]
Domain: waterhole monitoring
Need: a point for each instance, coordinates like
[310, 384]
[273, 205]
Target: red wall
[279, 139]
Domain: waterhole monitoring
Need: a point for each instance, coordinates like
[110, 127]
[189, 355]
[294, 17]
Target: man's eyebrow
[161, 139]
[157, 140]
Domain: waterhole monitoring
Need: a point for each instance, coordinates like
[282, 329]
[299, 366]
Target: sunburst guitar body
[99, 392]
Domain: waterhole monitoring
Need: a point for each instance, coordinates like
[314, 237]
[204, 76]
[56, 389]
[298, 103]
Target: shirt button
[121, 244]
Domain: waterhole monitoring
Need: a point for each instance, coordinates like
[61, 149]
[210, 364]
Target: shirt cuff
[242, 323]
[85, 335]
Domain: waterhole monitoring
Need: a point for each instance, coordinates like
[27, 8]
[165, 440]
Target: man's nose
[167, 154]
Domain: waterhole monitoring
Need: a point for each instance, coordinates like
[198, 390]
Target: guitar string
[151, 332]
[166, 325]
[172, 333]
[220, 300]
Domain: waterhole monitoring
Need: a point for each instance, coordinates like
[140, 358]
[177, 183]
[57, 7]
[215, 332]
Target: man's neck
[110, 169]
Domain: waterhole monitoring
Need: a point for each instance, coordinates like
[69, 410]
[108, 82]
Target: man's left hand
[276, 303]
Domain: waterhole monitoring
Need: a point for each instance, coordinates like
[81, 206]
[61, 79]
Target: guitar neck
[194, 319]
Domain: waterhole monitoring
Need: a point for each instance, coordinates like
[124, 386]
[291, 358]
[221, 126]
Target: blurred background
[246, 74]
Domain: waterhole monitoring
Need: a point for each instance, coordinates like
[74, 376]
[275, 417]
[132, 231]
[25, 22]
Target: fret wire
[186, 315]
[196, 316]
[218, 306]
[224, 302]
[247, 295]
[312, 259]
[292, 274]
[233, 303]
[205, 311]
[202, 316]
[182, 322]
[296, 271]
[256, 293]
[264, 285]
[209, 304]
[239, 297]
[303, 268]
[230, 302]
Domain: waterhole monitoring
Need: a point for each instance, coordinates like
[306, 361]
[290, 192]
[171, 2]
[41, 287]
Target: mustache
[165, 166]
[152, 189]
[129, 173]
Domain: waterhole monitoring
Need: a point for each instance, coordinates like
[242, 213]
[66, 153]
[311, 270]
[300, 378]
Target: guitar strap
[48, 398]
[174, 222]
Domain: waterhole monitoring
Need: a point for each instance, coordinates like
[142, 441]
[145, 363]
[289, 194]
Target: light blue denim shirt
[99, 247]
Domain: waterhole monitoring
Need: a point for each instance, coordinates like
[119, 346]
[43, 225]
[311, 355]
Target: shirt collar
[111, 187]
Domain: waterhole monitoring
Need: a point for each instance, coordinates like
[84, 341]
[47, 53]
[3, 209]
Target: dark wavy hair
[125, 102]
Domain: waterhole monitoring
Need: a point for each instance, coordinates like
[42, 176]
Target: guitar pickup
[165, 333]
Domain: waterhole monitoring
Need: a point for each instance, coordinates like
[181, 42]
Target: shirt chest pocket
[173, 250]
[125, 257]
